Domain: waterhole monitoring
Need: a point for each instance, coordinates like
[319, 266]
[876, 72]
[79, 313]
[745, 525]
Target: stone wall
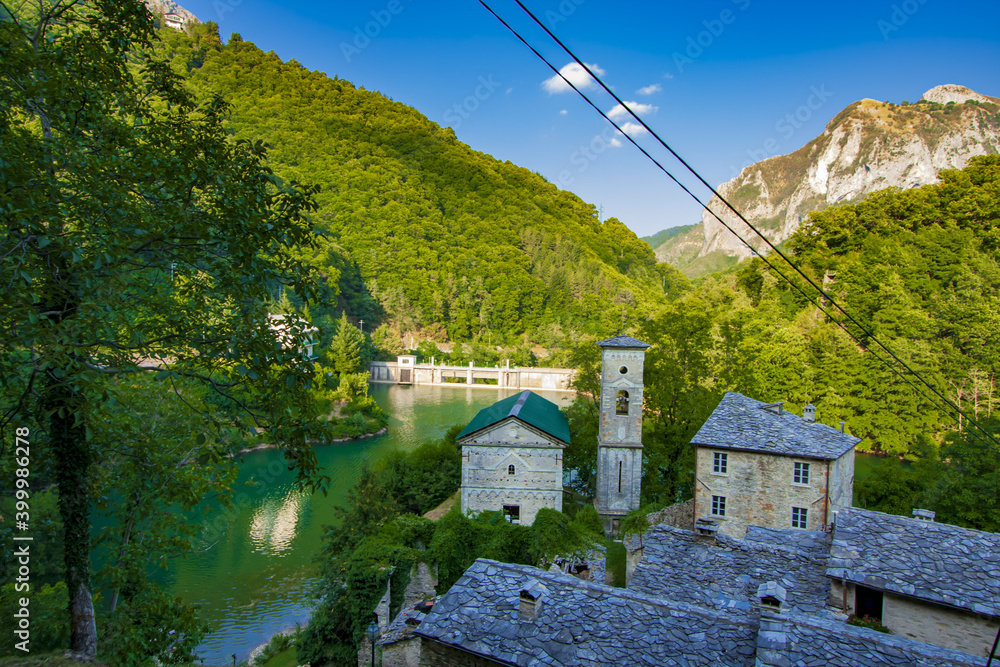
[487, 484]
[433, 654]
[422, 585]
[841, 483]
[405, 653]
[939, 625]
[927, 622]
[759, 490]
[813, 641]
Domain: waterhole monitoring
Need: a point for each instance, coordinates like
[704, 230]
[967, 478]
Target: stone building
[502, 614]
[922, 579]
[619, 439]
[512, 457]
[758, 464]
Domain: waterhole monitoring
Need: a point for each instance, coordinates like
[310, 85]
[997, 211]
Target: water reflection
[258, 577]
[272, 525]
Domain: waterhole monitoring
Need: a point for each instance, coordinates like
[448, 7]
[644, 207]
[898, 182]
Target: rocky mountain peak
[868, 146]
[950, 92]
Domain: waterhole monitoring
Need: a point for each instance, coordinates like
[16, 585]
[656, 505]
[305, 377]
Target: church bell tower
[619, 439]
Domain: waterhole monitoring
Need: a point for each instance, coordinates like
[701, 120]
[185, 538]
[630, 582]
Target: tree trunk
[72, 468]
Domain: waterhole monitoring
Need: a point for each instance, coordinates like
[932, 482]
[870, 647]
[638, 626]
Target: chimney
[923, 515]
[841, 426]
[772, 596]
[531, 598]
[706, 527]
[809, 413]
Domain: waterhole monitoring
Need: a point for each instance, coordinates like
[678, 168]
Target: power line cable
[994, 444]
[833, 302]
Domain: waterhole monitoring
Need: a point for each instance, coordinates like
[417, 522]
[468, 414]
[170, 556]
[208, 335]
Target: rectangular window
[799, 517]
[718, 506]
[512, 513]
[720, 463]
[801, 474]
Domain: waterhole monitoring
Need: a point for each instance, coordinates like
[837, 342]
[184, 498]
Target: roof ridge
[514, 411]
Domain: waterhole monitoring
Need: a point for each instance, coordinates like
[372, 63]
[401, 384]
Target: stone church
[512, 458]
[512, 451]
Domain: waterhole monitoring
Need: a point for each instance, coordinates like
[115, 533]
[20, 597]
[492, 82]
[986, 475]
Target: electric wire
[994, 444]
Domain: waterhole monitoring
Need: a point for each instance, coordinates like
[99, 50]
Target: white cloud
[668, 75]
[633, 129]
[640, 110]
[650, 89]
[563, 112]
[615, 143]
[576, 75]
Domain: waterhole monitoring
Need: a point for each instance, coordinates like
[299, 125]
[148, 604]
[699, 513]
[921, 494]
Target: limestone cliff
[868, 146]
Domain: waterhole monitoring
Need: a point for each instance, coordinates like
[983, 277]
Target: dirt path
[443, 508]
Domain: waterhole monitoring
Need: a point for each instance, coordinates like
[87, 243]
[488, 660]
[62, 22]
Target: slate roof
[402, 626]
[528, 407]
[623, 341]
[814, 641]
[931, 561]
[723, 572]
[741, 423]
[582, 623]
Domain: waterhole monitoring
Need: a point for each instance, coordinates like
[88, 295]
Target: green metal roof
[527, 406]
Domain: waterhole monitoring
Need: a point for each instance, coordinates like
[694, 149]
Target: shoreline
[271, 445]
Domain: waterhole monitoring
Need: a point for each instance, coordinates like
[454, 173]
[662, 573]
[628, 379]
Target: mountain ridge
[868, 146]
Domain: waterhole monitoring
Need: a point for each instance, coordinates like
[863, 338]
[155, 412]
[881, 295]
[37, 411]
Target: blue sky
[719, 80]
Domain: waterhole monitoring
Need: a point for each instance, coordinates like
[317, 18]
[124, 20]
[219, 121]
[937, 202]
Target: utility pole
[362, 325]
[600, 214]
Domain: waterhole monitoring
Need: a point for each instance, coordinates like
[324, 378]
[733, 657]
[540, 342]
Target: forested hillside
[918, 268]
[441, 234]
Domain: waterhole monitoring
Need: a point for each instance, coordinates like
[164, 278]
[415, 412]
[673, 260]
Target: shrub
[867, 622]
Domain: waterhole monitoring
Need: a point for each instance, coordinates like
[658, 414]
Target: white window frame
[720, 463]
[800, 516]
[719, 506]
[800, 467]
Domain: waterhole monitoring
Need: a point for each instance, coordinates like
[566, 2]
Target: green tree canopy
[111, 181]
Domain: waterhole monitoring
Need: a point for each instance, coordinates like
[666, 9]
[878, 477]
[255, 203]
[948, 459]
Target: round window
[623, 370]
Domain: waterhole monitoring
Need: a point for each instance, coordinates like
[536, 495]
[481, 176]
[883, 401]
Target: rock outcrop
[868, 146]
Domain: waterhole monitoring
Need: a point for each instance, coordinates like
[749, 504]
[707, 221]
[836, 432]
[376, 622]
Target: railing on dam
[405, 371]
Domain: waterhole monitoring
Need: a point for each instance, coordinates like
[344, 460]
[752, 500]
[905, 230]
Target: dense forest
[447, 240]
[919, 269]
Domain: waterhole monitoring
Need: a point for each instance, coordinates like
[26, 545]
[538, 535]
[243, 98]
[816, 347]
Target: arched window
[621, 403]
[510, 469]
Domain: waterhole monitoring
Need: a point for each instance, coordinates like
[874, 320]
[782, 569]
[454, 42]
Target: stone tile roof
[742, 423]
[623, 341]
[813, 641]
[931, 561]
[582, 623]
[402, 626]
[723, 572]
[527, 406]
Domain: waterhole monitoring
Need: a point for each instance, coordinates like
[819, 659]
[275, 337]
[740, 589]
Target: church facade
[512, 458]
